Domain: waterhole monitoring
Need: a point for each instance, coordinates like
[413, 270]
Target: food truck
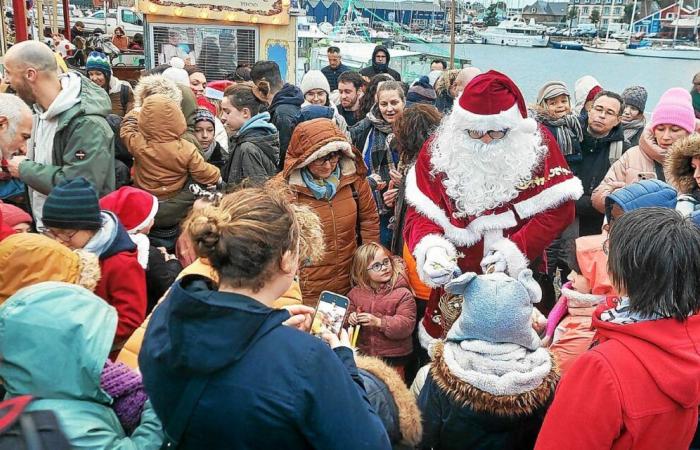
[218, 35]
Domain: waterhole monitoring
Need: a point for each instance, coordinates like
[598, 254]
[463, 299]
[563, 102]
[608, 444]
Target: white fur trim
[571, 189]
[509, 119]
[327, 149]
[459, 236]
[151, 215]
[421, 249]
[516, 261]
[426, 340]
[143, 246]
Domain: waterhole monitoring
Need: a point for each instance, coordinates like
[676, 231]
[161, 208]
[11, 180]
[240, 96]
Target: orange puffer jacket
[339, 216]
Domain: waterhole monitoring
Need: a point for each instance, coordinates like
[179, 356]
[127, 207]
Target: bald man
[463, 78]
[71, 136]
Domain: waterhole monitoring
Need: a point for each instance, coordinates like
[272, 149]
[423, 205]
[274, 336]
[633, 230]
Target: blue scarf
[322, 188]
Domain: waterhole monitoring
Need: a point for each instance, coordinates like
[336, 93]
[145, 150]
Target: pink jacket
[397, 309]
[627, 169]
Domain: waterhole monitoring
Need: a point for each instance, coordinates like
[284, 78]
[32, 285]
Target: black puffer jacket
[284, 109]
[254, 152]
[376, 69]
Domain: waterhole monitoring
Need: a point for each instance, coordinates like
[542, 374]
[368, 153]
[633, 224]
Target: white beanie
[314, 79]
[176, 72]
[581, 89]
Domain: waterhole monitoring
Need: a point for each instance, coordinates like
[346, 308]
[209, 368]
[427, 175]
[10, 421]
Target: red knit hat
[204, 103]
[5, 229]
[134, 207]
[13, 215]
[491, 101]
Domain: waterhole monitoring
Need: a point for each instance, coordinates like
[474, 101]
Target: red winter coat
[638, 389]
[397, 309]
[123, 285]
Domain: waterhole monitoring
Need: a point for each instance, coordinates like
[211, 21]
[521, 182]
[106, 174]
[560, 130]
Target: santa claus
[489, 188]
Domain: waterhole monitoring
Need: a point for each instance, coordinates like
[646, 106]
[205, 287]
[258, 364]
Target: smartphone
[330, 313]
[646, 176]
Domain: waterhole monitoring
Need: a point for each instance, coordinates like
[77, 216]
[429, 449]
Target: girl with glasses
[382, 303]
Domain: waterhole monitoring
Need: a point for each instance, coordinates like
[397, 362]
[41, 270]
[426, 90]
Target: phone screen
[330, 313]
[646, 175]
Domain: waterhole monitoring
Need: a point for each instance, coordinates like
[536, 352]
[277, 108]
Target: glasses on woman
[59, 235]
[493, 134]
[331, 157]
[379, 266]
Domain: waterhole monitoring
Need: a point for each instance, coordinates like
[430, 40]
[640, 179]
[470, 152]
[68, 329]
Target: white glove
[439, 267]
[497, 259]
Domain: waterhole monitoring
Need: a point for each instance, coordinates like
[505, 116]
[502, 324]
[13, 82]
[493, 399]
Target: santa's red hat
[134, 207]
[491, 101]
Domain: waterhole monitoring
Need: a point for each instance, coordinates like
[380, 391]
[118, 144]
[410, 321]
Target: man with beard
[15, 131]
[489, 189]
[71, 136]
[350, 88]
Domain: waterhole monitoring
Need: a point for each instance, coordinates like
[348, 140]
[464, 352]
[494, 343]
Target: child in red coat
[72, 216]
[382, 304]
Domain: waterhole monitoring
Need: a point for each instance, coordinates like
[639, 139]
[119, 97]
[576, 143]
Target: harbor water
[532, 67]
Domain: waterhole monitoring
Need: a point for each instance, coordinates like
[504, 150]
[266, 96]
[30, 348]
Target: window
[585, 10]
[617, 11]
[99, 15]
[605, 21]
[128, 16]
[606, 10]
[214, 49]
[533, 10]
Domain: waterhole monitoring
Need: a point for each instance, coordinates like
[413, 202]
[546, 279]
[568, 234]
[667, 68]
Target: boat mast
[452, 34]
[675, 29]
[631, 30]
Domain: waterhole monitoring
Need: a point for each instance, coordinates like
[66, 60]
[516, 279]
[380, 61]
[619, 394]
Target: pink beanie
[675, 108]
[13, 215]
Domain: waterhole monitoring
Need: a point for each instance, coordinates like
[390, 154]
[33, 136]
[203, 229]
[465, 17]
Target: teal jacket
[54, 341]
[82, 146]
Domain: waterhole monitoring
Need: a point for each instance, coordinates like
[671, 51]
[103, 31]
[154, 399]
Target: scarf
[499, 369]
[375, 143]
[629, 129]
[567, 128]
[695, 95]
[622, 315]
[104, 237]
[322, 188]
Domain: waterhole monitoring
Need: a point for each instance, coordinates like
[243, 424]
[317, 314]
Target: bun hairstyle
[255, 97]
[246, 235]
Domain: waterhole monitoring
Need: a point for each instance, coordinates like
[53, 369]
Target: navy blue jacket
[283, 111]
[270, 386]
[332, 74]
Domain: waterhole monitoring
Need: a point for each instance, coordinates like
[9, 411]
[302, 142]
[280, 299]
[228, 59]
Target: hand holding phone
[337, 341]
[330, 314]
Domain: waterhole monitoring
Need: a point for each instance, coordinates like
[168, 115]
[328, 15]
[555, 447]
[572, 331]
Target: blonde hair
[246, 235]
[311, 243]
[361, 259]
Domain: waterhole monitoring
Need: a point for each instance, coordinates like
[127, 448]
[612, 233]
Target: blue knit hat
[98, 61]
[204, 114]
[73, 205]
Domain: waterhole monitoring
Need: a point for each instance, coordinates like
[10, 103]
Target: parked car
[130, 21]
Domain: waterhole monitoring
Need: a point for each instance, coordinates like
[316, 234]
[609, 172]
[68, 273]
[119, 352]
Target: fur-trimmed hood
[678, 162]
[466, 395]
[156, 84]
[409, 418]
[28, 258]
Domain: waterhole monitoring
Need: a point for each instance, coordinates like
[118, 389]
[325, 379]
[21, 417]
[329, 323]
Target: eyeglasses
[606, 112]
[59, 235]
[316, 93]
[493, 134]
[378, 267]
[332, 157]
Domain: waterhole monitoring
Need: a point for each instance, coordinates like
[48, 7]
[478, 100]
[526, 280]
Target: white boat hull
[603, 50]
[669, 53]
[511, 40]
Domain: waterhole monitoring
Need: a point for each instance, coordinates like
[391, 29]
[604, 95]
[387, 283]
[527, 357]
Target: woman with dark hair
[639, 381]
[224, 360]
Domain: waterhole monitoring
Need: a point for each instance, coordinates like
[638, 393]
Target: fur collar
[466, 395]
[409, 414]
[678, 163]
[576, 299]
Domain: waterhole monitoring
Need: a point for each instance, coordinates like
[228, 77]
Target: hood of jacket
[311, 112]
[648, 146]
[78, 96]
[314, 139]
[669, 351]
[678, 162]
[380, 67]
[258, 122]
[162, 121]
[199, 330]
[54, 341]
[288, 95]
[643, 194]
[156, 84]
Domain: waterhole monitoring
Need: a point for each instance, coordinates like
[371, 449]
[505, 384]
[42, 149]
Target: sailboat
[674, 51]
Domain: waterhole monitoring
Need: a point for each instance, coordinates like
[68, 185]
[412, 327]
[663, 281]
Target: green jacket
[82, 146]
[54, 341]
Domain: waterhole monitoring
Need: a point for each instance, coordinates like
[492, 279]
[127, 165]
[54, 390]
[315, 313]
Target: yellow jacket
[129, 354]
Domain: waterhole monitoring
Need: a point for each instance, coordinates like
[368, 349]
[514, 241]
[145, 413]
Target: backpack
[29, 430]
[124, 96]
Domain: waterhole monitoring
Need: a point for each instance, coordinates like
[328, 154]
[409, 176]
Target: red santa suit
[520, 229]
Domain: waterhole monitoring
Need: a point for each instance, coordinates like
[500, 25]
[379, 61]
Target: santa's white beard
[481, 177]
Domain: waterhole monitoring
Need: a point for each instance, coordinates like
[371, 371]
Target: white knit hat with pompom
[176, 72]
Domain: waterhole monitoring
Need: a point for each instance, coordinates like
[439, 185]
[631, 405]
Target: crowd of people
[163, 248]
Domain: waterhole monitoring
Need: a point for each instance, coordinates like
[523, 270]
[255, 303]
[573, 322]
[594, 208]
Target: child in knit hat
[490, 382]
[72, 216]
[585, 90]
[136, 210]
[633, 120]
[16, 218]
[165, 164]
[120, 93]
[553, 110]
[569, 323]
[205, 127]
[672, 119]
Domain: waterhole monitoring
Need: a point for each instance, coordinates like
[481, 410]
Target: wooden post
[453, 13]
